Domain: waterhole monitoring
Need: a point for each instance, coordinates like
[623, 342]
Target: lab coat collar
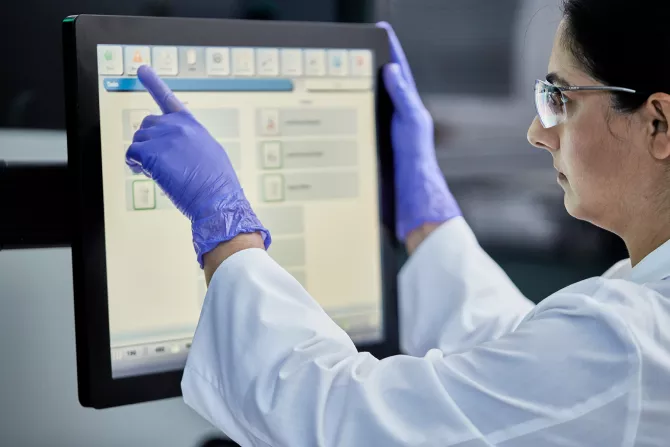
[654, 267]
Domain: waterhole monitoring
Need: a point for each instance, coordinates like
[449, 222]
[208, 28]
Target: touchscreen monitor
[297, 108]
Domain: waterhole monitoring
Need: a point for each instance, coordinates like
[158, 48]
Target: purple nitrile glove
[422, 194]
[193, 170]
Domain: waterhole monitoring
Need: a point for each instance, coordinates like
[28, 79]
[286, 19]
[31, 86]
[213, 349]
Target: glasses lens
[549, 104]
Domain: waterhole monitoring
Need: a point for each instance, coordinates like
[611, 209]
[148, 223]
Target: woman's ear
[657, 110]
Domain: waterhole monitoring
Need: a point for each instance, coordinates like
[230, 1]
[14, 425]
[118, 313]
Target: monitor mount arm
[35, 205]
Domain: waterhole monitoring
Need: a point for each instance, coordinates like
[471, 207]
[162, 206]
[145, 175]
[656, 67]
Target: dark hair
[622, 43]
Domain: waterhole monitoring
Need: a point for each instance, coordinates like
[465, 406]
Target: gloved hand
[422, 195]
[193, 170]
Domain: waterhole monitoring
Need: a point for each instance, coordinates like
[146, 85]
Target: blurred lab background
[474, 62]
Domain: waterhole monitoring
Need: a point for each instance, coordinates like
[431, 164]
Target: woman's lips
[561, 176]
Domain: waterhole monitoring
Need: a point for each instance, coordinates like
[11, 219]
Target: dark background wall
[30, 43]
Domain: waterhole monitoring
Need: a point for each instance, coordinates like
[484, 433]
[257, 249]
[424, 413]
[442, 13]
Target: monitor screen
[298, 125]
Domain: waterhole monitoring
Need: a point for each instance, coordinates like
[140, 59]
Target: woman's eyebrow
[555, 79]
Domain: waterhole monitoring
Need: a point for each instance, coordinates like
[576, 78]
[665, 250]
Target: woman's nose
[543, 138]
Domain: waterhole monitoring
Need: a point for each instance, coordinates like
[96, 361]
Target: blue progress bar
[203, 85]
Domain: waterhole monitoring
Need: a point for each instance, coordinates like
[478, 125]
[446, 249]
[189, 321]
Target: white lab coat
[589, 366]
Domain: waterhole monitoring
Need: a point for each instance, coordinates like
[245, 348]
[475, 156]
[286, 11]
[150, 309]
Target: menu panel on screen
[298, 125]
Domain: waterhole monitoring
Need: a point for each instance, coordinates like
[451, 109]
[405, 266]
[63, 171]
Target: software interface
[298, 126]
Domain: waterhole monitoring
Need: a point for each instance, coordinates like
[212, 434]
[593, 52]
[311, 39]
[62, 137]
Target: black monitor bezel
[81, 35]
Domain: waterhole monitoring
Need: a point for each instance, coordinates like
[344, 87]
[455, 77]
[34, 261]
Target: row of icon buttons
[224, 61]
[156, 349]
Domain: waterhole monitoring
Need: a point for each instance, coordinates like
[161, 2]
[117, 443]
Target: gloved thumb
[405, 99]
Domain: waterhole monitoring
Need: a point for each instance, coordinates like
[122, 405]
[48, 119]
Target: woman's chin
[571, 204]
[576, 209]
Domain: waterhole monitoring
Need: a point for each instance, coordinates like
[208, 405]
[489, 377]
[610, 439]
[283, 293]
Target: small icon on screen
[359, 61]
[109, 55]
[217, 57]
[191, 57]
[269, 122]
[337, 62]
[138, 57]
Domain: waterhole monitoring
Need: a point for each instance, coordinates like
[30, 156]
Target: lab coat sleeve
[453, 296]
[269, 368]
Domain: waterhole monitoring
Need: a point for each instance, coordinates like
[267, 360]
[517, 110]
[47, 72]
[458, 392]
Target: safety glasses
[550, 100]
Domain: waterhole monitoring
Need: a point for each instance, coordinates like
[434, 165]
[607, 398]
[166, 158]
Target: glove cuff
[428, 201]
[437, 215]
[226, 219]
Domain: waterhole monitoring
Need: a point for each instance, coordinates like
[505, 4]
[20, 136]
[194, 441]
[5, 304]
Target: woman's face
[599, 152]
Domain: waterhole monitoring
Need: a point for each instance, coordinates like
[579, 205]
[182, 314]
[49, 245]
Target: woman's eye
[556, 100]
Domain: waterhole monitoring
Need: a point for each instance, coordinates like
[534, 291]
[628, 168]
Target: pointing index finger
[164, 97]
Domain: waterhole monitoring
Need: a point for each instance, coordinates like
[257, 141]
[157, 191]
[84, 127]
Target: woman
[588, 366]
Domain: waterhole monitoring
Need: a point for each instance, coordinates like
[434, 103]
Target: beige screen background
[307, 162]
